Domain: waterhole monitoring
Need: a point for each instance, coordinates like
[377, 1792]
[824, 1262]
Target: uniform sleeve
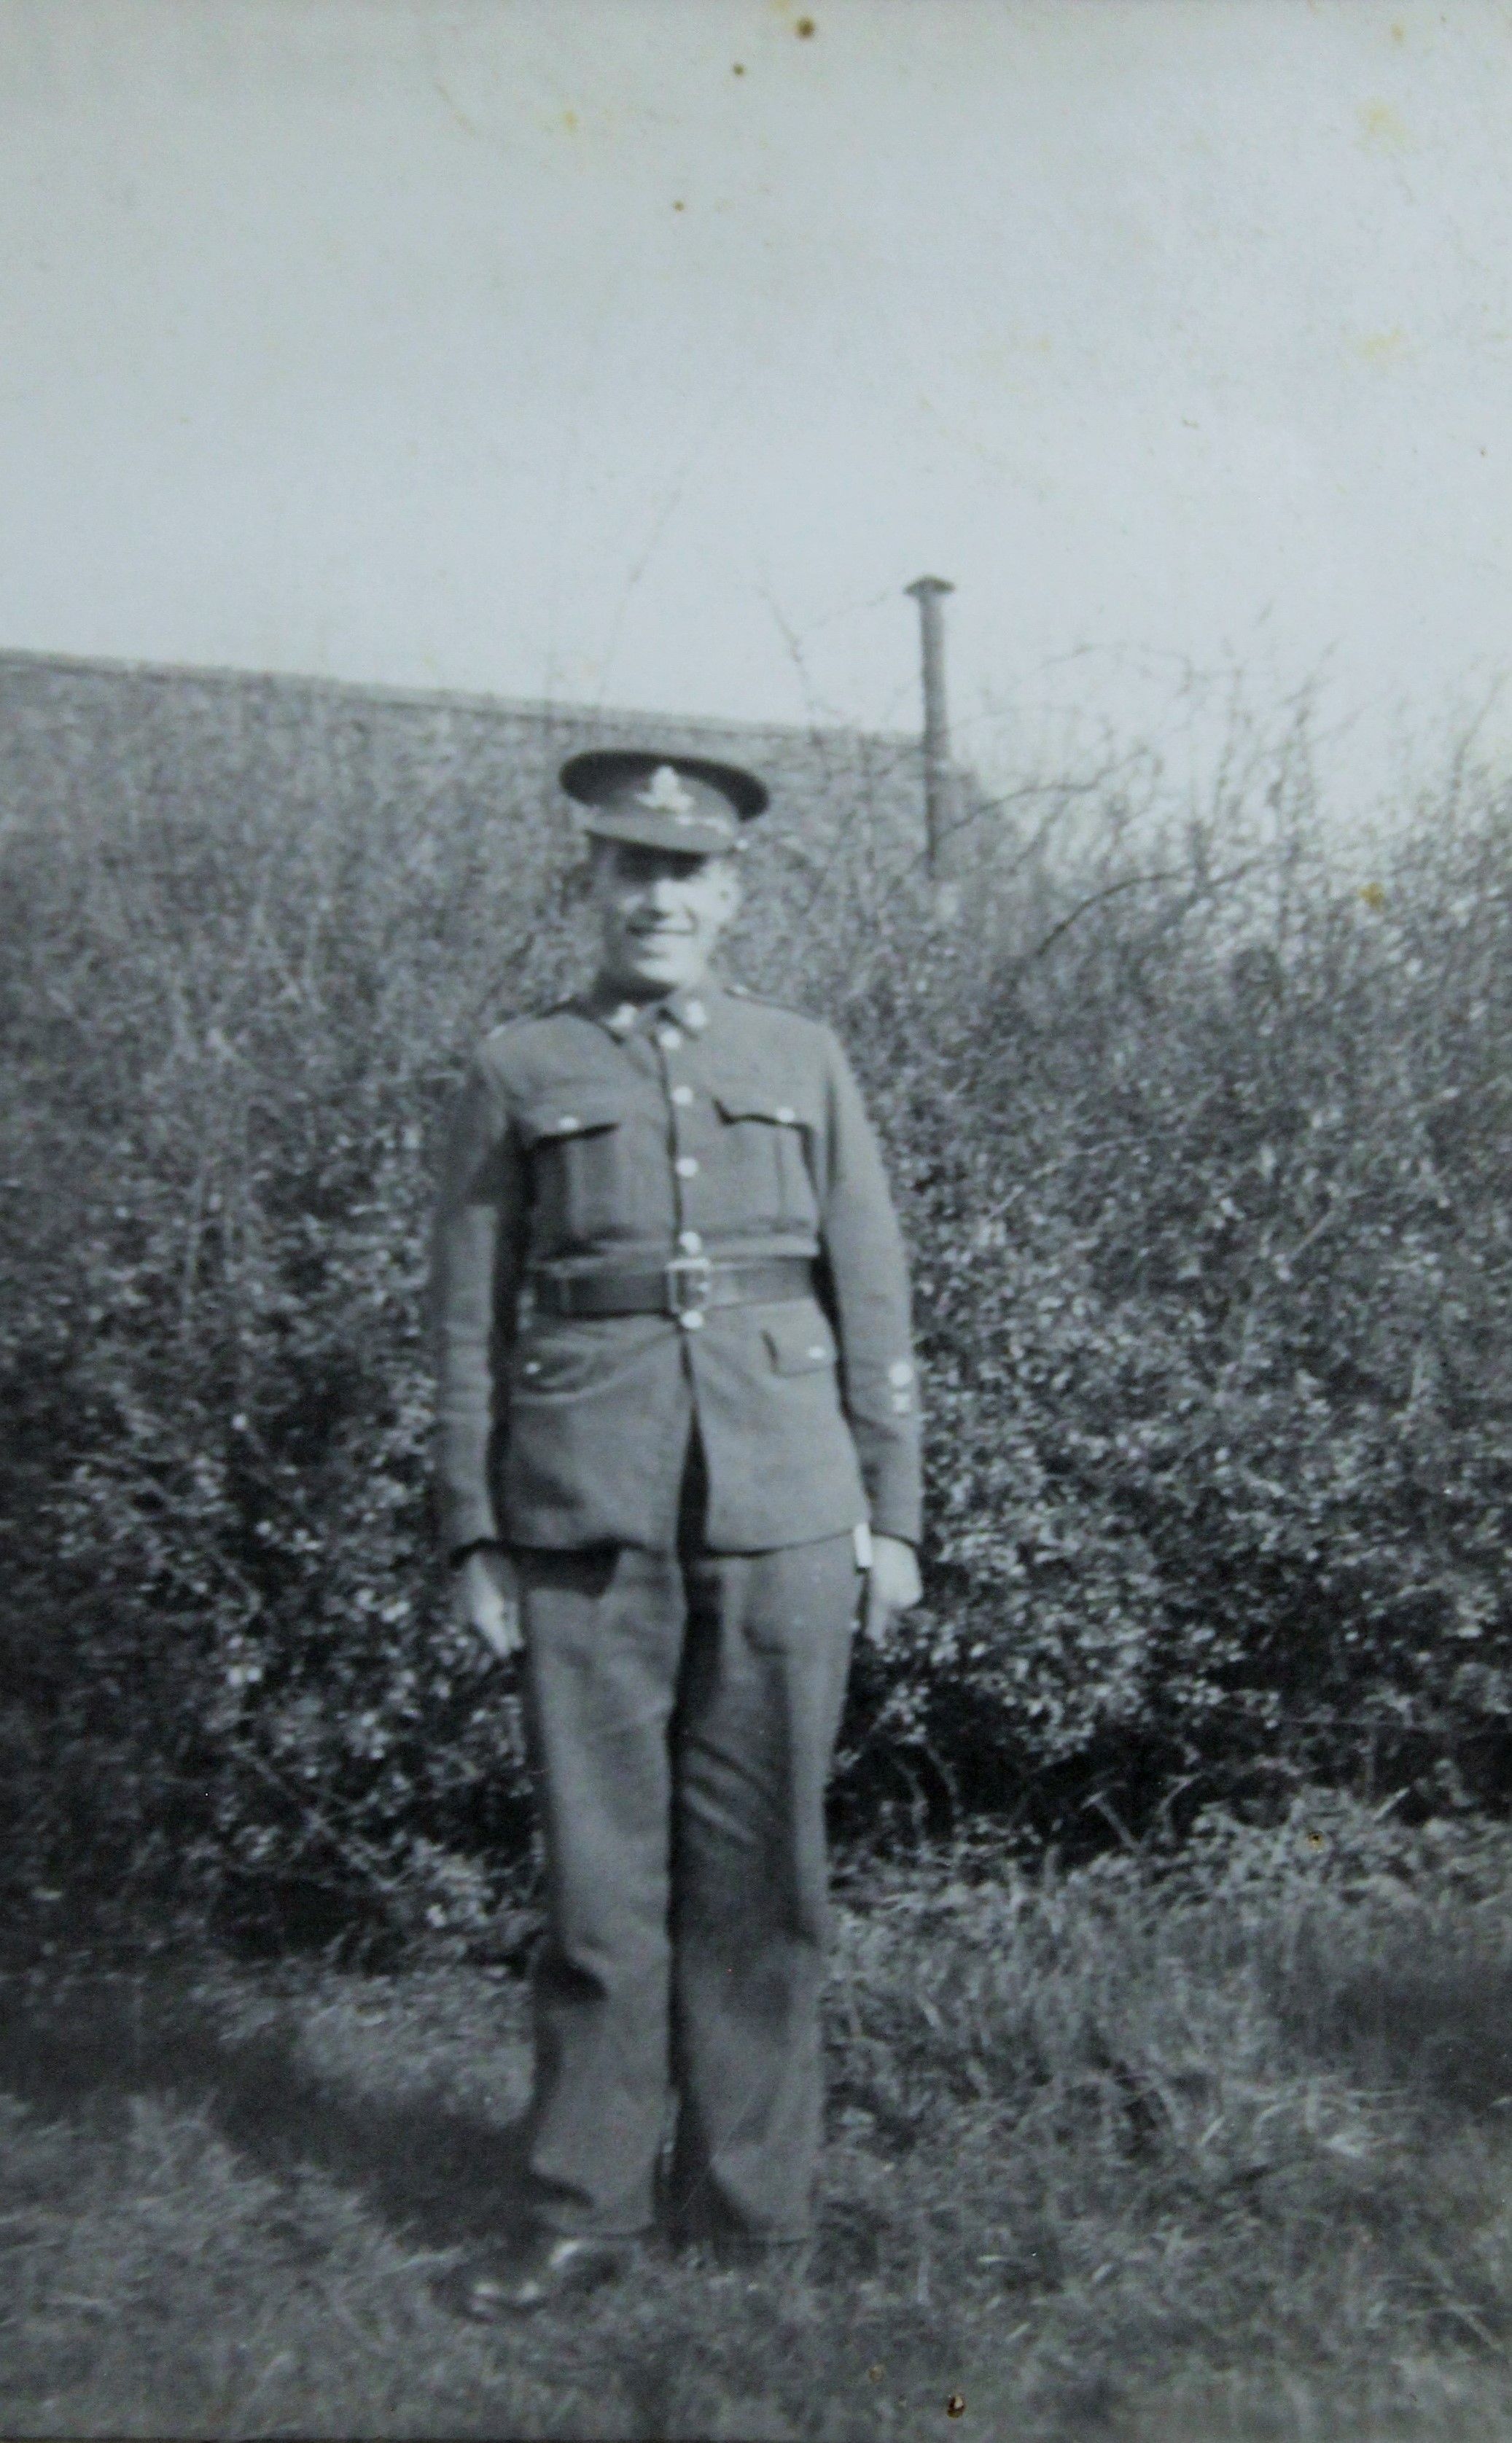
[865, 1281]
[477, 1257]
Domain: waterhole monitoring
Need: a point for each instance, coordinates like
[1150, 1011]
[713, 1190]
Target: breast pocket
[765, 1153]
[574, 1141]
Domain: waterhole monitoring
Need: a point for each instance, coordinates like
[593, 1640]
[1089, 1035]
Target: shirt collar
[691, 1009]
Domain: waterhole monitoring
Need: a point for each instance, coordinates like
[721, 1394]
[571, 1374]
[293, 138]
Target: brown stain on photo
[1383, 128]
[1382, 347]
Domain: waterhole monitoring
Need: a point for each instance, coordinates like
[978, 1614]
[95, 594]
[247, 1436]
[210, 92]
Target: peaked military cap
[675, 801]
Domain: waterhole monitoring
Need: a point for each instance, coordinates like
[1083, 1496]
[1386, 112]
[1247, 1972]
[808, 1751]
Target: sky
[640, 352]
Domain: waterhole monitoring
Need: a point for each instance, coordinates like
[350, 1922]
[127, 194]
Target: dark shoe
[551, 2267]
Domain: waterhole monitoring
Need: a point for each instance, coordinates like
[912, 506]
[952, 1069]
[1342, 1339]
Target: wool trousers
[682, 1709]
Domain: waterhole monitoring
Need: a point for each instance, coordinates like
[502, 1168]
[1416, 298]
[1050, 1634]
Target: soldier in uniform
[678, 1439]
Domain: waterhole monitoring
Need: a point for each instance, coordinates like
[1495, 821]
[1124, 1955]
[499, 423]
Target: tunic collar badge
[665, 795]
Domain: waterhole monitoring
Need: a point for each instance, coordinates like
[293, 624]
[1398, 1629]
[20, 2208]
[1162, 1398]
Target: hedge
[1200, 1141]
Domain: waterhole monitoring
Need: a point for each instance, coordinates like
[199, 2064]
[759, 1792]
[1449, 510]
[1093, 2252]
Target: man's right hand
[486, 1598]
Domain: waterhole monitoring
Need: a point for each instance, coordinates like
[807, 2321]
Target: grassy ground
[1198, 2155]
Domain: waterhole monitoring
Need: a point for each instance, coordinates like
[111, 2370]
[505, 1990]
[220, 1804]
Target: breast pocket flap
[566, 1112]
[740, 1102]
[799, 1342]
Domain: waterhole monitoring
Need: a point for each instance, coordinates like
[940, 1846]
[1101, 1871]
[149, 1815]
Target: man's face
[661, 914]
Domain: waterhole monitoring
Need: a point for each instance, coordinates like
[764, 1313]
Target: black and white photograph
[756, 1220]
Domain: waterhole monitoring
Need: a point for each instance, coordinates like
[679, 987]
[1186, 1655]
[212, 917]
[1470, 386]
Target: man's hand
[485, 1597]
[891, 1586]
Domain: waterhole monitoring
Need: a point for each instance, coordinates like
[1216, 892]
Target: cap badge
[665, 795]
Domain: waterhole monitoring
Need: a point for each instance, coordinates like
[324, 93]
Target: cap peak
[649, 797]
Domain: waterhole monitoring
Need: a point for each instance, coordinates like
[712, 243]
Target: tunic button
[682, 1093]
[786, 1114]
[686, 1166]
[668, 1038]
[691, 1242]
[691, 1321]
[696, 1015]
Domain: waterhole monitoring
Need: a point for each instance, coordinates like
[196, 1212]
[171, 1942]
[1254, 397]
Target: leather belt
[688, 1285]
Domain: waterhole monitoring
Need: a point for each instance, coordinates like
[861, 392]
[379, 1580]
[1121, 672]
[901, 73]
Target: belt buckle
[690, 1284]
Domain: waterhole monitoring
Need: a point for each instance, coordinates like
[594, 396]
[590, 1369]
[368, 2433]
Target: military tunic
[714, 1125]
[681, 1492]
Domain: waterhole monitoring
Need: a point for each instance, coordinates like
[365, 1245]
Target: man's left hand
[891, 1586]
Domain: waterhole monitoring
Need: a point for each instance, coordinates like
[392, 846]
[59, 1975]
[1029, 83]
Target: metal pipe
[927, 592]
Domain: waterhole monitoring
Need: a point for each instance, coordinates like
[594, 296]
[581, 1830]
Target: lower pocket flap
[798, 1342]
